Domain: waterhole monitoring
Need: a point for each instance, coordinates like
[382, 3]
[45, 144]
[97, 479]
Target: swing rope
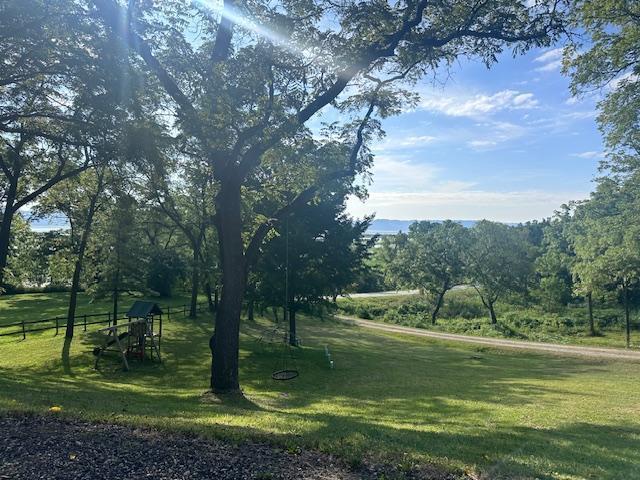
[282, 370]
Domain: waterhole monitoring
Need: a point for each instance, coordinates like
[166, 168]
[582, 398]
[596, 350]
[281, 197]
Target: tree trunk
[275, 314]
[193, 307]
[250, 307]
[291, 311]
[207, 288]
[250, 296]
[626, 314]
[434, 314]
[116, 293]
[215, 298]
[5, 229]
[592, 329]
[224, 357]
[488, 303]
[492, 312]
[75, 283]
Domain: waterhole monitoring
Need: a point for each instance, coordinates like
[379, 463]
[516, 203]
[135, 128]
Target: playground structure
[136, 336]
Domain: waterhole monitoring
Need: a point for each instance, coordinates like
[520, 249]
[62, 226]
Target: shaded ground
[49, 447]
[593, 352]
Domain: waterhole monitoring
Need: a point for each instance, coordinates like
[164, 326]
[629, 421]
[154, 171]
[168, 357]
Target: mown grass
[391, 397]
[463, 312]
[29, 307]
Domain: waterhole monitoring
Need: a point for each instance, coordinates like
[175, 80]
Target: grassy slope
[515, 322]
[396, 397]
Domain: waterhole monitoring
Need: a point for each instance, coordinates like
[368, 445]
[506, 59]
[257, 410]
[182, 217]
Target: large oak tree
[245, 77]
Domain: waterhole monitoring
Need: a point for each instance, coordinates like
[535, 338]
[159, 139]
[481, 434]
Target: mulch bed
[49, 447]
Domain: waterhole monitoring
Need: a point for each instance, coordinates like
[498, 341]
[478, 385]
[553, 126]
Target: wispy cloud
[589, 154]
[478, 105]
[482, 144]
[495, 133]
[398, 173]
[399, 142]
[551, 60]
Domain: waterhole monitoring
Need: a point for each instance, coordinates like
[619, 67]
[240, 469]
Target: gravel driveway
[573, 350]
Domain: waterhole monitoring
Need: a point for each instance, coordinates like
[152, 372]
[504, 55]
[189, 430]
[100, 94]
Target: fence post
[56, 326]
[85, 322]
[109, 317]
[24, 331]
[169, 313]
[184, 310]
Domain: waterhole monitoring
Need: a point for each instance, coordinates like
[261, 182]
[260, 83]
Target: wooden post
[169, 313]
[85, 322]
[57, 326]
[184, 310]
[24, 331]
[160, 331]
[109, 317]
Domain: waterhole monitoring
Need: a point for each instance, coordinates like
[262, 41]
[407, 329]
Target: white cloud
[589, 154]
[551, 60]
[415, 140]
[481, 144]
[480, 104]
[396, 173]
[495, 133]
[395, 142]
[627, 77]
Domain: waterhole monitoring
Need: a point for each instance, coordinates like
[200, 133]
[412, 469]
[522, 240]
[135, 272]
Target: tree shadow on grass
[577, 449]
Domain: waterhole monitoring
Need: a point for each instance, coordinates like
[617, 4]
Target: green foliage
[323, 250]
[25, 261]
[432, 259]
[165, 268]
[606, 237]
[607, 56]
[499, 262]
[118, 259]
[555, 263]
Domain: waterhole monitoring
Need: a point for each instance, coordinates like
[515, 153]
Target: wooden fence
[85, 320]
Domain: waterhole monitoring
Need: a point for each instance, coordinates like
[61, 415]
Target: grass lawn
[392, 397]
[36, 306]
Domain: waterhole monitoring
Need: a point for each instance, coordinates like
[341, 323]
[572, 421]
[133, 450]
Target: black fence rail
[86, 320]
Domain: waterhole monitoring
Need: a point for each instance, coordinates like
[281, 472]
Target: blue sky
[506, 144]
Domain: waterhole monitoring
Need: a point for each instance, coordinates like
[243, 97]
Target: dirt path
[593, 352]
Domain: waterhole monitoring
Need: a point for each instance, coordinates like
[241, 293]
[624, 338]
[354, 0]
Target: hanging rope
[283, 371]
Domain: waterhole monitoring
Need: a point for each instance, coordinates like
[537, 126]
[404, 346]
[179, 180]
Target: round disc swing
[282, 370]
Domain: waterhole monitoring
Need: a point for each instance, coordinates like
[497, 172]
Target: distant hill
[53, 222]
[381, 226]
[385, 226]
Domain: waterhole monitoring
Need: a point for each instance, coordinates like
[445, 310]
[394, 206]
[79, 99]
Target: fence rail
[83, 321]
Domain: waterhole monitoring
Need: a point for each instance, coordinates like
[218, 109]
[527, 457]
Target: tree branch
[59, 177]
[222, 45]
[307, 194]
[112, 13]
